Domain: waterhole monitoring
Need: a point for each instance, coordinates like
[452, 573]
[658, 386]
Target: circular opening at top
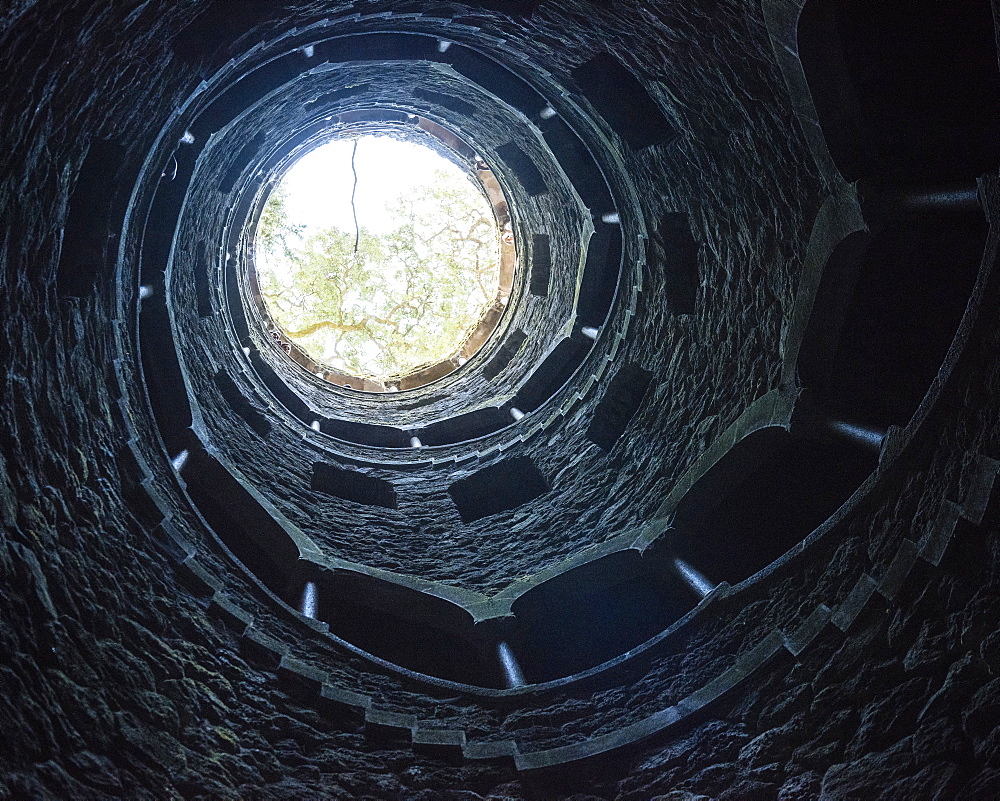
[382, 261]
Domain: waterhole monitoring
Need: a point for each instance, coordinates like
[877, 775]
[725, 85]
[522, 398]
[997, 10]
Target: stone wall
[141, 661]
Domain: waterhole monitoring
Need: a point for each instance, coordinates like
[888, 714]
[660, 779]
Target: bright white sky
[318, 195]
[319, 184]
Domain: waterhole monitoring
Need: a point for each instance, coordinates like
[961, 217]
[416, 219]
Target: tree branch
[312, 329]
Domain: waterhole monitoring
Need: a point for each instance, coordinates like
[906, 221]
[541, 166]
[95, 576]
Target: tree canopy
[383, 305]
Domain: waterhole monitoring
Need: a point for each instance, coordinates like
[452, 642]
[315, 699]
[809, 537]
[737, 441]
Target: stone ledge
[745, 666]
[230, 614]
[196, 578]
[301, 678]
[935, 540]
[168, 538]
[931, 548]
[856, 600]
[502, 750]
[343, 703]
[442, 743]
[389, 728]
[980, 489]
[808, 630]
[258, 647]
[899, 569]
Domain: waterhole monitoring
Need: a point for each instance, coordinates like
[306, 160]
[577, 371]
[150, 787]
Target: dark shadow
[541, 265]
[523, 168]
[91, 221]
[498, 488]
[887, 310]
[673, 253]
[253, 536]
[504, 355]
[404, 626]
[579, 165]
[552, 373]
[594, 613]
[618, 96]
[767, 494]
[241, 405]
[470, 425]
[905, 92]
[600, 275]
[494, 77]
[365, 433]
[353, 485]
[619, 405]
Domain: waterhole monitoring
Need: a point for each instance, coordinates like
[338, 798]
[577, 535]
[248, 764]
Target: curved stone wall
[736, 542]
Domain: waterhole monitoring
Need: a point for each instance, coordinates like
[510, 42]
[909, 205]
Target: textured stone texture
[118, 680]
[707, 367]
